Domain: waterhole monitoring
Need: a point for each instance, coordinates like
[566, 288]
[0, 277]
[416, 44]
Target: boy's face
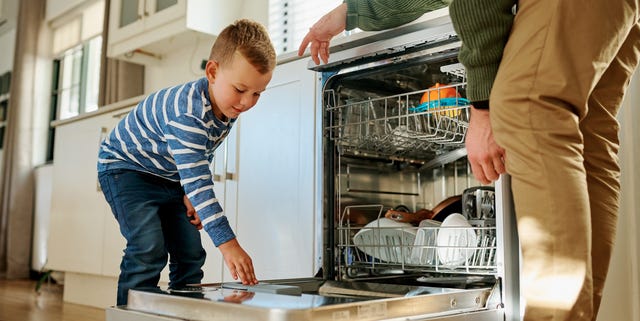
[235, 88]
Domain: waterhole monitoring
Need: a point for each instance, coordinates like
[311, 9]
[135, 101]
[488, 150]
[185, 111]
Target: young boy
[155, 164]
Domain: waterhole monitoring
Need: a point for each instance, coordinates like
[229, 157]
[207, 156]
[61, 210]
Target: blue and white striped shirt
[173, 133]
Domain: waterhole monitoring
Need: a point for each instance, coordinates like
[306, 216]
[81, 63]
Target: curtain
[17, 185]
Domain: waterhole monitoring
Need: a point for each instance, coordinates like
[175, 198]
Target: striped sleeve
[187, 137]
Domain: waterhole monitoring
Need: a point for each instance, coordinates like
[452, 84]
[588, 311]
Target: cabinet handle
[227, 176]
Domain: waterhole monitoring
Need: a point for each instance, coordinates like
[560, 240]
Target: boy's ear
[210, 70]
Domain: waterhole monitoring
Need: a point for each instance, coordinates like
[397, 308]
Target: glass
[164, 4]
[92, 87]
[128, 12]
[69, 90]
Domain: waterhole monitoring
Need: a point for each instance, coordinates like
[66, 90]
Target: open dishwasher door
[318, 300]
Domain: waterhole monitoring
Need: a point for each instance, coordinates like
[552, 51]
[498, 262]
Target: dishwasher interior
[394, 150]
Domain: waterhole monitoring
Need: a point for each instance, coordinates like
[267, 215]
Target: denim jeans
[153, 220]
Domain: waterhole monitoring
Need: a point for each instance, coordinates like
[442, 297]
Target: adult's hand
[238, 262]
[484, 154]
[322, 31]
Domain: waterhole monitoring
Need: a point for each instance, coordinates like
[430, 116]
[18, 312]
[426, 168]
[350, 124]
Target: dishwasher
[407, 233]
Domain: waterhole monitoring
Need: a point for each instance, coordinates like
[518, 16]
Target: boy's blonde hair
[250, 39]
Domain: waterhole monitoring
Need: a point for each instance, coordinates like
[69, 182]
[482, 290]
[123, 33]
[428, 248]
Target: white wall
[179, 66]
[7, 48]
[621, 299]
[9, 11]
[183, 64]
[55, 8]
[43, 184]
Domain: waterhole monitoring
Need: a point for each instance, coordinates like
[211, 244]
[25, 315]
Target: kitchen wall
[7, 46]
[184, 63]
[57, 7]
[621, 299]
[8, 15]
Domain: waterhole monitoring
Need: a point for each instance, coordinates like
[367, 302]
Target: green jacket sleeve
[484, 27]
[373, 15]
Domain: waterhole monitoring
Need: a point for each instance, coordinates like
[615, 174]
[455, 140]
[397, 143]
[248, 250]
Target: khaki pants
[561, 82]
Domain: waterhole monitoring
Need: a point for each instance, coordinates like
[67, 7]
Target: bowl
[387, 240]
[439, 91]
[456, 241]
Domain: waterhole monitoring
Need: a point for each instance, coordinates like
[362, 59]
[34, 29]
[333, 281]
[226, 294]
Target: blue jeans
[153, 220]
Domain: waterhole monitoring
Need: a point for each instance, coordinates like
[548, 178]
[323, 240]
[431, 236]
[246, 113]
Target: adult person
[545, 84]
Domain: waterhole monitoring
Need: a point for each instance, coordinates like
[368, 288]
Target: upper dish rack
[399, 126]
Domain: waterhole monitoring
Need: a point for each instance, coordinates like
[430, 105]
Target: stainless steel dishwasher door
[421, 303]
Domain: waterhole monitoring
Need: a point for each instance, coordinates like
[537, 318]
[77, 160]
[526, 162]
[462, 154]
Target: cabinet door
[276, 176]
[224, 187]
[126, 19]
[113, 243]
[159, 12]
[214, 265]
[77, 205]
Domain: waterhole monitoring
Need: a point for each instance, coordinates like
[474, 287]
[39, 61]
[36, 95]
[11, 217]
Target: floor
[19, 301]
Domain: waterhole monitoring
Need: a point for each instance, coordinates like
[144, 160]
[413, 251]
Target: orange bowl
[436, 93]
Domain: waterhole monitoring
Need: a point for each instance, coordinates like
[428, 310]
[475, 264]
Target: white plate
[456, 241]
[424, 247]
[387, 240]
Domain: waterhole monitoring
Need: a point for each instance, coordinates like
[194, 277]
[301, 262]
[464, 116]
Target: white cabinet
[225, 187]
[81, 225]
[142, 31]
[84, 235]
[276, 176]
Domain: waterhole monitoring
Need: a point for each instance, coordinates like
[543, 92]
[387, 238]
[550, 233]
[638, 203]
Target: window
[76, 79]
[5, 85]
[76, 53]
[76, 47]
[290, 20]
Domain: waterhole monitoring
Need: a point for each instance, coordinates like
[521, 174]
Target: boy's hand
[191, 212]
[238, 262]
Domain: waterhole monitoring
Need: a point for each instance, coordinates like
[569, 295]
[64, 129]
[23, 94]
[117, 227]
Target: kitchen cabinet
[223, 169]
[276, 176]
[142, 31]
[80, 221]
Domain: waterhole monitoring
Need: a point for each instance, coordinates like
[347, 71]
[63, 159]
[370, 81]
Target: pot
[439, 212]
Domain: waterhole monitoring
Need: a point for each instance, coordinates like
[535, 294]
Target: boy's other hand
[192, 214]
[238, 262]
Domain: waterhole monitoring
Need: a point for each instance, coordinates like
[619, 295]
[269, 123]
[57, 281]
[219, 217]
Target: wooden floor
[20, 302]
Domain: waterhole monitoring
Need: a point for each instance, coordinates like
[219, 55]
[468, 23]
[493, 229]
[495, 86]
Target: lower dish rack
[457, 245]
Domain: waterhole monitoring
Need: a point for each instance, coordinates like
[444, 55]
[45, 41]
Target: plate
[387, 240]
[424, 247]
[456, 241]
